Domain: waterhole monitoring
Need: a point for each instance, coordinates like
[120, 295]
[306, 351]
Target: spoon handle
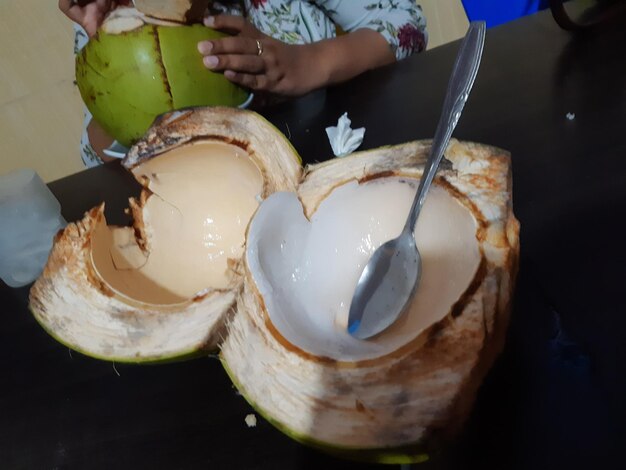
[459, 86]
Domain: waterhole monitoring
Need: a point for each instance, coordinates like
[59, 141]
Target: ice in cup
[30, 216]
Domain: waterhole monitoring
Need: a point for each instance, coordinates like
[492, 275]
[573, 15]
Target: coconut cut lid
[183, 11]
[176, 267]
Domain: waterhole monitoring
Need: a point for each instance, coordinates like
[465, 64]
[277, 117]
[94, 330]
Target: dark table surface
[555, 398]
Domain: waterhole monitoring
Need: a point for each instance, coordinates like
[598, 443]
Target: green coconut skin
[126, 80]
[406, 454]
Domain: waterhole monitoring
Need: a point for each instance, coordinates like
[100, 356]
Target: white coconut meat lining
[306, 271]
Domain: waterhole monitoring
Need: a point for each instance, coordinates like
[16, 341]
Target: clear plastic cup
[30, 216]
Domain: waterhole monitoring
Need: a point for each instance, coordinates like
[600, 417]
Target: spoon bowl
[393, 271]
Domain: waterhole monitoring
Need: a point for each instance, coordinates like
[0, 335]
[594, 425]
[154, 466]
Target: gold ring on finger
[259, 47]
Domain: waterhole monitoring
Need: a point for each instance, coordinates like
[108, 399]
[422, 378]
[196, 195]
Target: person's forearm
[342, 58]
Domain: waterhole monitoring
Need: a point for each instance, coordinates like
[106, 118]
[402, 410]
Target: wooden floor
[41, 109]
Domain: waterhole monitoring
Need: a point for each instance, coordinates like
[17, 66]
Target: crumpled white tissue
[343, 139]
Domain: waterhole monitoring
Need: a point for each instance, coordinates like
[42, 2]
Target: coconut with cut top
[233, 247]
[144, 62]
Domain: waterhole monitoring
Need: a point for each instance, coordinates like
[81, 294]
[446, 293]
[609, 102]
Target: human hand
[259, 62]
[88, 13]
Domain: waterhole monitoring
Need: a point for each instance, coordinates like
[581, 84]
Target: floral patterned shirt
[401, 22]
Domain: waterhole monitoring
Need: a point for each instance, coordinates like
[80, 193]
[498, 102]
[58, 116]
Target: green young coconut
[134, 70]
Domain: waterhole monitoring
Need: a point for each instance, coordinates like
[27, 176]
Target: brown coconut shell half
[93, 295]
[391, 408]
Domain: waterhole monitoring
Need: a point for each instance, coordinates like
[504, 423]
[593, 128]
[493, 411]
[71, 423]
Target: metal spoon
[389, 280]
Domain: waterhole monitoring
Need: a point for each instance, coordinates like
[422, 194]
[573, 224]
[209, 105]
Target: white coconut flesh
[306, 271]
[125, 19]
[202, 197]
[175, 10]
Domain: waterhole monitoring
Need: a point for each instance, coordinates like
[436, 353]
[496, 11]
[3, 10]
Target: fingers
[248, 57]
[254, 82]
[230, 45]
[70, 9]
[65, 5]
[238, 58]
[232, 24]
[240, 54]
[239, 63]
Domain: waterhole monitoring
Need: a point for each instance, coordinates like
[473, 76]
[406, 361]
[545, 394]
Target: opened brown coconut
[386, 399]
[162, 288]
[287, 270]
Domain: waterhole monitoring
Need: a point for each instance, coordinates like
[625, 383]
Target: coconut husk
[396, 406]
